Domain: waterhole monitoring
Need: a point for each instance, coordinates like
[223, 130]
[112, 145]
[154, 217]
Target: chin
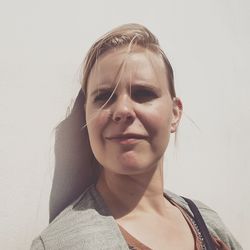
[133, 167]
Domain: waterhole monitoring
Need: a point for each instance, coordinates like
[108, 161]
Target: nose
[123, 110]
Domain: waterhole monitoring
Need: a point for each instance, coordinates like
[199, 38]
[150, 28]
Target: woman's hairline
[154, 49]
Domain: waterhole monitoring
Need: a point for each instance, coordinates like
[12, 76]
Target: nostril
[129, 117]
[122, 117]
[117, 119]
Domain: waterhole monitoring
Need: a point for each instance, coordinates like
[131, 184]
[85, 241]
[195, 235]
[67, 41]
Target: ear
[177, 112]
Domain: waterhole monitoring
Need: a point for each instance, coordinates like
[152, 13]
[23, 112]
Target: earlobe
[177, 112]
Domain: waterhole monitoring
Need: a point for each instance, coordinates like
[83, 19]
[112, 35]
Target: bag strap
[201, 225]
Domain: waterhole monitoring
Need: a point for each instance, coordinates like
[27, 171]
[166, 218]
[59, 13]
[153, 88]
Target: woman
[130, 109]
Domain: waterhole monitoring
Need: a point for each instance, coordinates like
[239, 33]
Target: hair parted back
[125, 35]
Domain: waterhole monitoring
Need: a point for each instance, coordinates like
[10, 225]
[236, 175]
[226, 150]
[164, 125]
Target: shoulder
[86, 223]
[216, 225]
[213, 221]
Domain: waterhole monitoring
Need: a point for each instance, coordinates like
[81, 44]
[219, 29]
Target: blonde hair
[122, 36]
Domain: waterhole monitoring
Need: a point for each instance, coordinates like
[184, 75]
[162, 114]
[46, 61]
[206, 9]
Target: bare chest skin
[160, 232]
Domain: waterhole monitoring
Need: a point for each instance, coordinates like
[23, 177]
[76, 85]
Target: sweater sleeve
[37, 244]
[217, 227]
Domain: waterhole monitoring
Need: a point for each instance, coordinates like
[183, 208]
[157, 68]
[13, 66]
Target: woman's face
[131, 132]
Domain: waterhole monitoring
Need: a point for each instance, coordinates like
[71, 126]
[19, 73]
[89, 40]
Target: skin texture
[130, 115]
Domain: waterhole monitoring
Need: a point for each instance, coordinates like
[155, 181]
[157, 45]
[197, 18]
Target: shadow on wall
[75, 164]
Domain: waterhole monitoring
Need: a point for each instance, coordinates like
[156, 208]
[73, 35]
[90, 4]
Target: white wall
[42, 47]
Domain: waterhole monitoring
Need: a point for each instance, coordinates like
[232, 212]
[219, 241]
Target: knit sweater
[87, 224]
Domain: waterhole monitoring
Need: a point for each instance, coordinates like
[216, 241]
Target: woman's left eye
[143, 95]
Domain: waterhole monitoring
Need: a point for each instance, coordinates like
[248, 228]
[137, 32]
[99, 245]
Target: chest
[156, 233]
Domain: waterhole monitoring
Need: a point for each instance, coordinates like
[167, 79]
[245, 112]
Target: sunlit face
[131, 132]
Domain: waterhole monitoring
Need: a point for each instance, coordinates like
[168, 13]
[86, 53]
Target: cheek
[96, 124]
[157, 119]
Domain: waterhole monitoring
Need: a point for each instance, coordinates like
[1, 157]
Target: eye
[143, 95]
[103, 97]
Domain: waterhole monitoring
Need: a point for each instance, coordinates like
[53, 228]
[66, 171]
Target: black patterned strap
[201, 225]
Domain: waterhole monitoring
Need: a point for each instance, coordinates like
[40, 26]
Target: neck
[127, 195]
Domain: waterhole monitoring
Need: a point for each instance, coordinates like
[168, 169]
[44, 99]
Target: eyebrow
[101, 89]
[132, 86]
[145, 86]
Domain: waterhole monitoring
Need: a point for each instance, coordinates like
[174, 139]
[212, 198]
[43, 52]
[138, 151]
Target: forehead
[123, 66]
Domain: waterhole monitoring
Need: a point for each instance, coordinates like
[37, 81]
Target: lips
[126, 136]
[129, 138]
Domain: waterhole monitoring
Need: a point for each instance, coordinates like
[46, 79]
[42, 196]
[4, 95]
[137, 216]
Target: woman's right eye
[103, 97]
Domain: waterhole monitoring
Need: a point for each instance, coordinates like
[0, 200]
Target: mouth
[127, 138]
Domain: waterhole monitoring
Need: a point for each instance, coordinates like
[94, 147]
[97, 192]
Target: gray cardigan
[87, 224]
